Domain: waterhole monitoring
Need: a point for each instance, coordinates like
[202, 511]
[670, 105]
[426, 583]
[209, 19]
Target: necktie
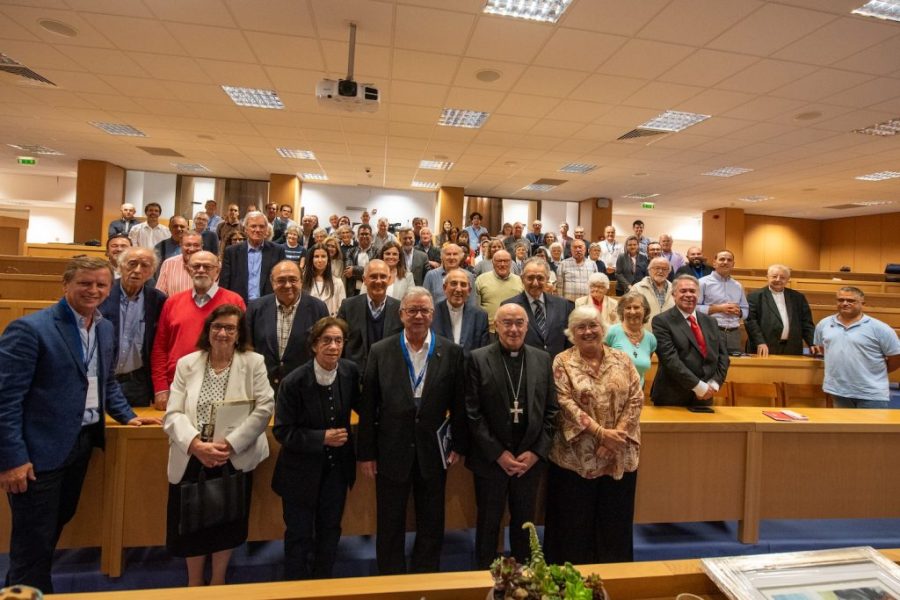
[698, 335]
[540, 318]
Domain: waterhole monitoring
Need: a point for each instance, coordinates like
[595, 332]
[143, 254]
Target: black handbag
[209, 502]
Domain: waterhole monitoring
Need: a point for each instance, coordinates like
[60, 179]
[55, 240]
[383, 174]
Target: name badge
[93, 397]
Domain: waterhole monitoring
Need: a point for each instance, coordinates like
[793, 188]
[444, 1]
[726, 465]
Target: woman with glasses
[317, 463]
[223, 372]
[594, 456]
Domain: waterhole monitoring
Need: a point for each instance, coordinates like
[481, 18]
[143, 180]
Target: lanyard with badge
[415, 380]
[92, 401]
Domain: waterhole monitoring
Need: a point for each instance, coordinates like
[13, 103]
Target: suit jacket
[488, 400]
[355, 311]
[300, 424]
[153, 305]
[357, 273]
[474, 331]
[121, 226]
[391, 429]
[43, 385]
[234, 275]
[247, 381]
[764, 324]
[262, 320]
[626, 275]
[210, 241]
[419, 265]
[433, 252]
[686, 269]
[681, 366]
[557, 309]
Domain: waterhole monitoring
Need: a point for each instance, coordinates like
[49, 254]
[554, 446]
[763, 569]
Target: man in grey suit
[246, 266]
[545, 333]
[693, 357]
[780, 319]
[457, 320]
[280, 322]
[416, 260]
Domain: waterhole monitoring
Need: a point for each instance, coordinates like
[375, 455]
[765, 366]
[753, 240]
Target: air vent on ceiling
[844, 206]
[160, 151]
[639, 133]
[553, 182]
[17, 69]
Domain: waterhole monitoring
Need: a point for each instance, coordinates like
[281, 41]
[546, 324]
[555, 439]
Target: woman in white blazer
[599, 286]
[221, 372]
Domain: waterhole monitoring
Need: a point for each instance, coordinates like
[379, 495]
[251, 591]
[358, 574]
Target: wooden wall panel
[723, 228]
[768, 240]
[865, 244]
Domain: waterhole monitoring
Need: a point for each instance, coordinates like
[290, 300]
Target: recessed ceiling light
[205, 136]
[673, 120]
[885, 128]
[294, 153]
[639, 196]
[546, 11]
[808, 115]
[873, 202]
[455, 117]
[577, 168]
[36, 149]
[425, 185]
[510, 163]
[538, 187]
[192, 167]
[487, 75]
[639, 174]
[438, 165]
[58, 27]
[754, 199]
[888, 10]
[118, 129]
[879, 176]
[313, 176]
[253, 97]
[727, 172]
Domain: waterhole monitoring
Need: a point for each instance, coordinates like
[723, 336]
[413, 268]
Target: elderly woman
[520, 255]
[556, 255]
[316, 465]
[319, 234]
[222, 373]
[594, 253]
[549, 238]
[630, 335]
[631, 266]
[594, 457]
[599, 287]
[293, 250]
[656, 288]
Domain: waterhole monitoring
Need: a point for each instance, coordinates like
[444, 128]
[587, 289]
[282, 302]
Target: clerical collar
[323, 375]
[511, 353]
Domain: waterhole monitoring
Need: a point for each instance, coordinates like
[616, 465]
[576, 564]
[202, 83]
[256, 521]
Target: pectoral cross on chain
[515, 411]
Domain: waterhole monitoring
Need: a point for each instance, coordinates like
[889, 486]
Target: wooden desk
[63, 250]
[17, 286]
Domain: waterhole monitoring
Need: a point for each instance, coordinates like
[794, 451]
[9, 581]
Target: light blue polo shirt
[855, 364]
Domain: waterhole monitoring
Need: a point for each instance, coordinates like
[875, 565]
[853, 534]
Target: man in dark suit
[426, 245]
[134, 306]
[279, 323]
[372, 316]
[246, 266]
[171, 246]
[456, 319]
[695, 265]
[416, 260]
[511, 406]
[693, 357]
[57, 379]
[356, 260]
[201, 226]
[547, 335]
[123, 225]
[780, 319]
[412, 380]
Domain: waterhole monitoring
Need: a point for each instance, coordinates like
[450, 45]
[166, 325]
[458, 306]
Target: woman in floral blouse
[594, 458]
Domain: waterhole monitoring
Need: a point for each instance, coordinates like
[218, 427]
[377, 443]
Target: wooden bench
[63, 250]
[32, 265]
[10, 310]
[19, 286]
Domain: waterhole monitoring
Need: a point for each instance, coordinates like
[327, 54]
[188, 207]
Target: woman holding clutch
[223, 372]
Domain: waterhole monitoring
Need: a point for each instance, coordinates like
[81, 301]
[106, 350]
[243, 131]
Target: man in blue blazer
[134, 305]
[246, 266]
[457, 320]
[57, 378]
[548, 336]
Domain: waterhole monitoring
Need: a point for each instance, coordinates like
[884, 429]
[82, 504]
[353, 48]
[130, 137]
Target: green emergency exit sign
[26, 160]
[648, 205]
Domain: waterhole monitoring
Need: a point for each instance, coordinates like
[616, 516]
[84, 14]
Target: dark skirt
[206, 541]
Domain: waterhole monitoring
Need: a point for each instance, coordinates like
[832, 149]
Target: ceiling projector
[348, 95]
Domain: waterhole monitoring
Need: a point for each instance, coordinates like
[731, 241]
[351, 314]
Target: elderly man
[497, 285]
[413, 379]
[643, 241]
[722, 297]
[171, 246]
[134, 307]
[115, 246]
[364, 219]
[579, 235]
[181, 322]
[475, 228]
[565, 239]
[382, 235]
[334, 222]
[451, 258]
[610, 249]
[779, 319]
[859, 353]
[307, 227]
[416, 261]
[426, 245]
[654, 250]
[124, 224]
[246, 266]
[573, 272]
[372, 316]
[212, 215]
[695, 266]
[280, 322]
[149, 233]
[175, 273]
[57, 379]
[693, 357]
[455, 318]
[656, 288]
[535, 237]
[356, 260]
[201, 226]
[231, 223]
[548, 315]
[675, 259]
[510, 242]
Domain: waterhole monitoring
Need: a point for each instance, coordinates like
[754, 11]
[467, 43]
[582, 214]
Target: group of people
[524, 379]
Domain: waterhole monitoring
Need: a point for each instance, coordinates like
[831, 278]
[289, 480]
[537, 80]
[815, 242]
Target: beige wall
[865, 244]
[768, 240]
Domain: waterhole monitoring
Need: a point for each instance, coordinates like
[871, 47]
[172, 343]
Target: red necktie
[698, 335]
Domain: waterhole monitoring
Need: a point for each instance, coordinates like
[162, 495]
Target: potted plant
[537, 580]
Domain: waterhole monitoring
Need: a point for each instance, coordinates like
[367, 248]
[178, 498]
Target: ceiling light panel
[727, 172]
[581, 168]
[118, 129]
[293, 153]
[438, 165]
[546, 11]
[36, 149]
[885, 128]
[455, 117]
[754, 199]
[425, 185]
[673, 120]
[889, 10]
[191, 167]
[873, 202]
[538, 187]
[640, 196]
[253, 97]
[313, 176]
[879, 176]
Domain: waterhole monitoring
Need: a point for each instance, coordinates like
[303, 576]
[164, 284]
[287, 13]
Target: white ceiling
[567, 91]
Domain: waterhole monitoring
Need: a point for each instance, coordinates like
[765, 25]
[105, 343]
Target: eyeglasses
[229, 329]
[412, 312]
[510, 323]
[134, 264]
[203, 267]
[287, 281]
[328, 340]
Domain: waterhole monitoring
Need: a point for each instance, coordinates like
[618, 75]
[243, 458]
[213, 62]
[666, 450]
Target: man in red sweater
[181, 322]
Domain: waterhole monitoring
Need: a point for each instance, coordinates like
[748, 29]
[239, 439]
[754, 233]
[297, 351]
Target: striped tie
[540, 318]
